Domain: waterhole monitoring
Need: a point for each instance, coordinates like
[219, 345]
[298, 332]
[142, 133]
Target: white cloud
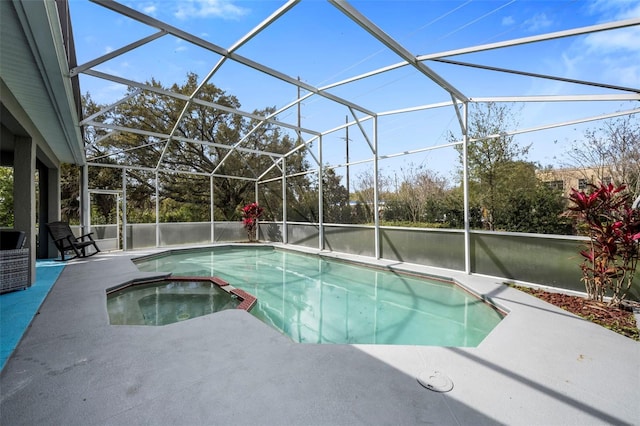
[570, 63]
[508, 21]
[180, 46]
[615, 9]
[628, 75]
[150, 9]
[617, 40]
[103, 93]
[611, 56]
[537, 22]
[225, 9]
[618, 51]
[626, 39]
[632, 12]
[147, 7]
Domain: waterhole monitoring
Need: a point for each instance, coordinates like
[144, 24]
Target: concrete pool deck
[541, 365]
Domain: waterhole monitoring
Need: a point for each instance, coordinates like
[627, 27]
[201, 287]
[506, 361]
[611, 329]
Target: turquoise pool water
[166, 302]
[316, 300]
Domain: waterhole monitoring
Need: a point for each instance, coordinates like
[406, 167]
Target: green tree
[70, 193]
[363, 211]
[613, 150]
[102, 207]
[212, 133]
[491, 154]
[6, 197]
[302, 199]
[531, 205]
[335, 198]
[547, 210]
[453, 210]
[420, 194]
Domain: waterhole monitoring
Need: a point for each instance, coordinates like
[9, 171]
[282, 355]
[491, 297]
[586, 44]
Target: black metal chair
[65, 241]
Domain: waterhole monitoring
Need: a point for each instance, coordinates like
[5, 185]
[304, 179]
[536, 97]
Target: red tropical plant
[612, 252]
[250, 215]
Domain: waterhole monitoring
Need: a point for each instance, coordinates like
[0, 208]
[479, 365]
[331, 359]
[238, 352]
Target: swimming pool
[313, 299]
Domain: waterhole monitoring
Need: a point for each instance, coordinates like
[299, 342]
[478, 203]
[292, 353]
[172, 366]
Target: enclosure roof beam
[419, 150]
[275, 164]
[416, 108]
[554, 125]
[255, 116]
[365, 75]
[164, 137]
[271, 167]
[375, 31]
[158, 135]
[306, 172]
[180, 96]
[109, 107]
[103, 137]
[132, 83]
[270, 117]
[542, 76]
[106, 191]
[121, 166]
[492, 46]
[152, 169]
[162, 153]
[257, 126]
[533, 39]
[219, 145]
[236, 146]
[558, 98]
[264, 24]
[115, 53]
[145, 19]
[122, 151]
[293, 151]
[302, 85]
[291, 104]
[234, 177]
[461, 122]
[302, 145]
[364, 134]
[350, 163]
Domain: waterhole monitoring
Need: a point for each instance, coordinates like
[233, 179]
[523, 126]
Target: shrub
[250, 215]
[612, 252]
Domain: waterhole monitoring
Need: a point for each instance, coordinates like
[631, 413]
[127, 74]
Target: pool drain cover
[435, 381]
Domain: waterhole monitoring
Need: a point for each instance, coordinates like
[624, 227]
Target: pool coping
[541, 365]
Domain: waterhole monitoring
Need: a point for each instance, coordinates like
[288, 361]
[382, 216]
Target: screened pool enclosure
[388, 102]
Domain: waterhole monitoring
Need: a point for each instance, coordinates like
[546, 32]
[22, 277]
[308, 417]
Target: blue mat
[18, 308]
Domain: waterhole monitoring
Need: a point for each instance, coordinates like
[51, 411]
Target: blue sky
[316, 42]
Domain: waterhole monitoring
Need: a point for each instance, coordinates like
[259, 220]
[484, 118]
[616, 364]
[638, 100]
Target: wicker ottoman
[15, 273]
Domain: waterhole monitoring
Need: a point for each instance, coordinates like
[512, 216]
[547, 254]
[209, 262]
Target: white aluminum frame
[459, 101]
